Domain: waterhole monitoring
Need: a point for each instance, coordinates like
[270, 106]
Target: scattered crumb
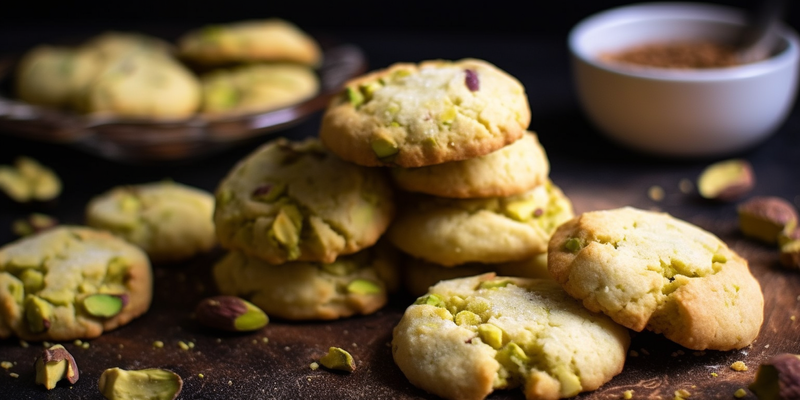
[798, 298]
[265, 339]
[85, 345]
[119, 356]
[766, 346]
[682, 393]
[739, 366]
[6, 364]
[308, 379]
[627, 395]
[255, 341]
[633, 353]
[287, 348]
[230, 383]
[201, 376]
[686, 186]
[313, 366]
[388, 344]
[345, 332]
[158, 344]
[740, 393]
[183, 345]
[674, 354]
[219, 340]
[792, 318]
[699, 353]
[24, 344]
[121, 346]
[77, 342]
[714, 374]
[656, 193]
[355, 344]
[47, 344]
[644, 351]
[680, 352]
[190, 344]
[14, 375]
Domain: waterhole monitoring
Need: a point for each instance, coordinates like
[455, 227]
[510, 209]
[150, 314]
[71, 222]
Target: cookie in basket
[419, 275]
[413, 115]
[649, 270]
[353, 284]
[513, 169]
[296, 201]
[53, 76]
[270, 40]
[168, 220]
[71, 283]
[491, 230]
[142, 85]
[256, 88]
[468, 337]
[114, 44]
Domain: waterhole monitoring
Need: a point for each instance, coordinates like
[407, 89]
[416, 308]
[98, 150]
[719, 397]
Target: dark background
[23, 23]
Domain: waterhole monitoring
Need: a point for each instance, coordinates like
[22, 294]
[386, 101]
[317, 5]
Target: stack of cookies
[476, 194]
[302, 227]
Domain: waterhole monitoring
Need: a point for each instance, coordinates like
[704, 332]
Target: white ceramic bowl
[699, 112]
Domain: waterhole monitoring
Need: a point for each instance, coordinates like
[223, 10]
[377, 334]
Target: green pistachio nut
[491, 335]
[224, 197]
[338, 359]
[230, 313]
[573, 245]
[13, 286]
[14, 185]
[467, 318]
[512, 353]
[32, 279]
[130, 204]
[384, 148]
[339, 268]
[570, 383]
[765, 218]
[369, 89]
[448, 115]
[363, 287]
[522, 210]
[286, 230]
[269, 192]
[55, 364]
[494, 284]
[777, 378]
[355, 97]
[116, 271]
[151, 384]
[719, 258]
[104, 305]
[38, 314]
[431, 300]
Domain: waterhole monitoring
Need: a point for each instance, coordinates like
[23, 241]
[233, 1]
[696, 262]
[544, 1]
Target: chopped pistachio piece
[467, 318]
[384, 148]
[431, 300]
[55, 364]
[573, 245]
[363, 286]
[491, 335]
[354, 96]
[230, 313]
[155, 384]
[38, 313]
[104, 305]
[338, 359]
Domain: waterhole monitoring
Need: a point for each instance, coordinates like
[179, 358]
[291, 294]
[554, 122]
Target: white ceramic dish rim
[687, 11]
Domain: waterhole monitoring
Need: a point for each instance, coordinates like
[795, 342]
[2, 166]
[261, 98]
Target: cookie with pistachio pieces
[649, 270]
[471, 336]
[292, 201]
[168, 220]
[354, 284]
[71, 283]
[414, 115]
[450, 232]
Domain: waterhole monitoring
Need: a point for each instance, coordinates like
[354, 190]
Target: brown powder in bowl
[677, 55]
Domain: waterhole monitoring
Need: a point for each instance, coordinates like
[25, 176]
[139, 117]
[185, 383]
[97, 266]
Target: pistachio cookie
[513, 169]
[470, 336]
[353, 284]
[169, 221]
[296, 201]
[419, 275]
[142, 84]
[493, 230]
[257, 87]
[416, 115]
[55, 76]
[649, 270]
[250, 41]
[71, 283]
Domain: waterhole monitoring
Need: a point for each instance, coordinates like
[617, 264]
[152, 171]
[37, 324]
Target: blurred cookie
[353, 284]
[250, 41]
[54, 76]
[145, 85]
[513, 169]
[492, 230]
[71, 283]
[416, 115]
[114, 44]
[419, 275]
[296, 201]
[256, 88]
[169, 221]
[649, 270]
[470, 336]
